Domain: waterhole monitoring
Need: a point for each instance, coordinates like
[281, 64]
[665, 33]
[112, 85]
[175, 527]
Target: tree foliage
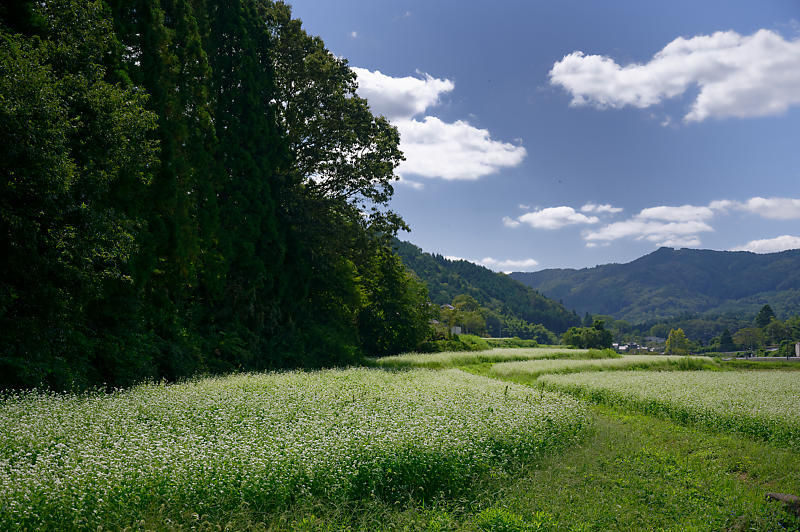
[677, 343]
[595, 336]
[72, 144]
[764, 316]
[189, 186]
[511, 309]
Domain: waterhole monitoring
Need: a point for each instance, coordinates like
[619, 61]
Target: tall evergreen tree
[69, 142]
[765, 315]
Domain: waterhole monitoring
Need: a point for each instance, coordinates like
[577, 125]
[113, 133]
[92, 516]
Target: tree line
[708, 334]
[189, 186]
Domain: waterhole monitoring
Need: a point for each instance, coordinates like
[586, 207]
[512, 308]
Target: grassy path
[640, 473]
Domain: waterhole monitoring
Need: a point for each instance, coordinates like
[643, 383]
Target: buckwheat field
[265, 440]
[765, 404]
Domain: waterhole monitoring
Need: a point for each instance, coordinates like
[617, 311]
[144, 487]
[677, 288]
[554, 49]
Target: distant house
[455, 329]
[448, 306]
[797, 349]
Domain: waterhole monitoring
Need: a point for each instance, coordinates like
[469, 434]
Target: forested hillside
[671, 282]
[189, 186]
[498, 292]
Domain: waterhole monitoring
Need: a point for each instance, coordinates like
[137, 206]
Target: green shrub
[511, 342]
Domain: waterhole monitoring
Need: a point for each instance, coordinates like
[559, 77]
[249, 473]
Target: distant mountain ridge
[670, 282]
[446, 279]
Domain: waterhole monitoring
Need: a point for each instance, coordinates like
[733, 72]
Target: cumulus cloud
[457, 150]
[684, 213]
[664, 225]
[737, 76]
[551, 218]
[434, 148]
[773, 208]
[605, 208]
[658, 232]
[721, 205]
[771, 245]
[400, 97]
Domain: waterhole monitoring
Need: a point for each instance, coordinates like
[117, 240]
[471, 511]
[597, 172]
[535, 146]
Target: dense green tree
[749, 337]
[189, 186]
[765, 315]
[726, 341]
[677, 343]
[775, 331]
[71, 145]
[396, 314]
[592, 337]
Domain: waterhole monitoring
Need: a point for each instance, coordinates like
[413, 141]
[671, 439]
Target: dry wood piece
[791, 501]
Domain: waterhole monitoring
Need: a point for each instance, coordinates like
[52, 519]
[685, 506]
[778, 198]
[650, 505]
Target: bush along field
[764, 404]
[528, 371]
[450, 359]
[157, 453]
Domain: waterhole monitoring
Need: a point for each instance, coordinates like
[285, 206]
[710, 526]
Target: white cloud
[400, 97]
[434, 148]
[775, 208]
[593, 207]
[416, 185]
[504, 265]
[553, 218]
[353, 34]
[688, 242]
[721, 205]
[771, 245]
[659, 232]
[509, 265]
[457, 150]
[684, 213]
[737, 76]
[664, 225]
[510, 222]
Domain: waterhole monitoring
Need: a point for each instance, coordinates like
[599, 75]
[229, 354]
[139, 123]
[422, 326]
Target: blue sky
[569, 134]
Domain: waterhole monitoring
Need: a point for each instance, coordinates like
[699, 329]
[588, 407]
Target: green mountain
[498, 292]
[669, 282]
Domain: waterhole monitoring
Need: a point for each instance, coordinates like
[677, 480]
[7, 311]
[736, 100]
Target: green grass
[760, 365]
[450, 359]
[255, 444]
[511, 343]
[763, 404]
[529, 371]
